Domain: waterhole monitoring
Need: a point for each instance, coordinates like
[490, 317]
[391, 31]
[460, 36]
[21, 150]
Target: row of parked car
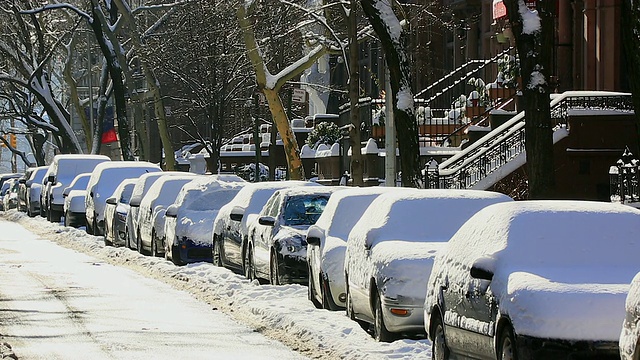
[479, 274]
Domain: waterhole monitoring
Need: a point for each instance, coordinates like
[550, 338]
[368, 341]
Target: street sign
[299, 95]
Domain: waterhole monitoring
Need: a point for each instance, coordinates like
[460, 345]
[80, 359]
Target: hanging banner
[108, 130]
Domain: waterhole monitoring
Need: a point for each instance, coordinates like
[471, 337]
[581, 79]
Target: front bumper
[120, 231]
[411, 322]
[76, 219]
[536, 348]
[293, 269]
[186, 251]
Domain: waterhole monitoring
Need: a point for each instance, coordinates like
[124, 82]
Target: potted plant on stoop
[478, 98]
[508, 78]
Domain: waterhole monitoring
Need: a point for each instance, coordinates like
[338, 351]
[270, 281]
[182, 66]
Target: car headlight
[293, 244]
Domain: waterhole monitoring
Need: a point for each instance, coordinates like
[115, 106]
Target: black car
[230, 225]
[277, 248]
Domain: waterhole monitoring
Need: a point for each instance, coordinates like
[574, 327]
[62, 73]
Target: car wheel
[217, 252]
[248, 269]
[439, 349]
[274, 273]
[154, 244]
[324, 286]
[507, 349]
[311, 291]
[380, 332]
[139, 242]
[90, 228]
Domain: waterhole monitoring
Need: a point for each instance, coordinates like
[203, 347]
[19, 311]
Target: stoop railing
[502, 151]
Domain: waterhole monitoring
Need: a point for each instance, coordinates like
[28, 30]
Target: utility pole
[390, 134]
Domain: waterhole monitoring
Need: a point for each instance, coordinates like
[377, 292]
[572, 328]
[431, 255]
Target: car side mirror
[237, 213]
[482, 274]
[266, 220]
[51, 179]
[112, 201]
[483, 268]
[135, 201]
[172, 211]
[314, 234]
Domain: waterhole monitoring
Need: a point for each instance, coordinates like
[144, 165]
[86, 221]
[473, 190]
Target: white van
[103, 182]
[61, 173]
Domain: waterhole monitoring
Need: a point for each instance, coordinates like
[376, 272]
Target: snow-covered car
[189, 221]
[22, 189]
[115, 213]
[104, 180]
[74, 200]
[33, 189]
[161, 194]
[327, 243]
[230, 226]
[10, 197]
[630, 335]
[62, 171]
[139, 190]
[534, 280]
[277, 248]
[390, 252]
[4, 187]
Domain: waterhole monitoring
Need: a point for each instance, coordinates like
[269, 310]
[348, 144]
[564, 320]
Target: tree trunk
[354, 95]
[119, 88]
[394, 48]
[534, 47]
[630, 45]
[291, 150]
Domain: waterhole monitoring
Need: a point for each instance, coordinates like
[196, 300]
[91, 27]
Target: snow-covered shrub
[323, 133]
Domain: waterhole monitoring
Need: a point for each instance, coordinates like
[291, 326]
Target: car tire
[507, 344]
[154, 244]
[216, 256]
[311, 291]
[248, 269]
[274, 269]
[380, 332]
[439, 349]
[89, 228]
[139, 242]
[324, 286]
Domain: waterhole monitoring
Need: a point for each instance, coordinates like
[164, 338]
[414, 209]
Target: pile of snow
[280, 312]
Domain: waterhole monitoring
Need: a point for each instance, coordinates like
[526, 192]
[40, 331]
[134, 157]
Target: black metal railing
[443, 92]
[623, 179]
[502, 145]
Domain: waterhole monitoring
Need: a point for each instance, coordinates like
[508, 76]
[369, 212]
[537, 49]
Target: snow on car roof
[165, 190]
[421, 215]
[542, 233]
[203, 187]
[145, 181]
[253, 197]
[345, 208]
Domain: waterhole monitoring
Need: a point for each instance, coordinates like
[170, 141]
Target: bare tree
[630, 45]
[393, 37]
[533, 32]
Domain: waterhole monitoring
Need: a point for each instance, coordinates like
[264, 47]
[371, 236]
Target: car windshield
[304, 209]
